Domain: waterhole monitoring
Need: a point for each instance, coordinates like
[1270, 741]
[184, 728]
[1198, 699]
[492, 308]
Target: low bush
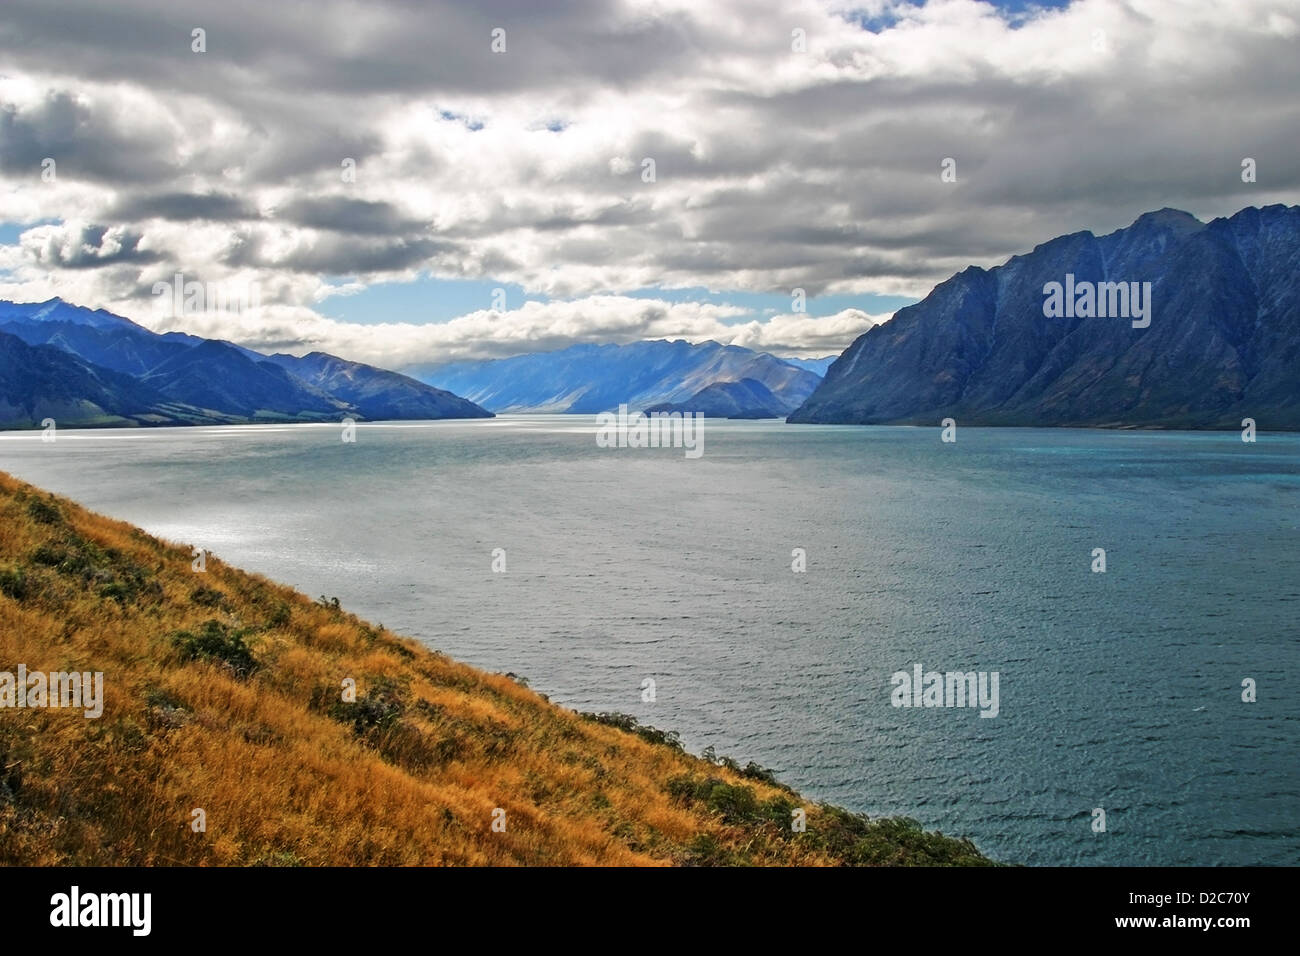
[215, 641]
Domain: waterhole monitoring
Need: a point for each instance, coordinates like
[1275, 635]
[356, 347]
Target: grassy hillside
[224, 693]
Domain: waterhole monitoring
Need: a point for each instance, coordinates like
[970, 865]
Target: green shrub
[377, 721]
[280, 615]
[119, 591]
[73, 557]
[762, 774]
[734, 803]
[751, 770]
[14, 583]
[44, 512]
[380, 708]
[207, 597]
[667, 738]
[216, 642]
[110, 573]
[50, 556]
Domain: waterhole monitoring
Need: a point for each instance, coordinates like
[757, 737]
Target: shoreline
[508, 416]
[227, 693]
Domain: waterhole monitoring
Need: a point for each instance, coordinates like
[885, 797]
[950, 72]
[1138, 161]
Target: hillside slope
[43, 382]
[377, 393]
[219, 377]
[223, 694]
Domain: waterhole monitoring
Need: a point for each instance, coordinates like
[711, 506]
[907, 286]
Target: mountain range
[87, 367]
[596, 378]
[1209, 335]
[1222, 344]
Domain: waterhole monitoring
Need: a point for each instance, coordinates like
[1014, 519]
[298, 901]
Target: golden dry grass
[289, 774]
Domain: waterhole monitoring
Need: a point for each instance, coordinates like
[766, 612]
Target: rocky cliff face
[1222, 343]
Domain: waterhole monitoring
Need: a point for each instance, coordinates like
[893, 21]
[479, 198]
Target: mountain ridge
[43, 382]
[1223, 342]
[133, 376]
[379, 393]
[592, 378]
[747, 398]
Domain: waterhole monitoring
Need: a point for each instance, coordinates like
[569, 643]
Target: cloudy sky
[376, 171]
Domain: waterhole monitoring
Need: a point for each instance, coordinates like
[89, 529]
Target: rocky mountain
[377, 393]
[1048, 338]
[91, 367]
[596, 378]
[747, 398]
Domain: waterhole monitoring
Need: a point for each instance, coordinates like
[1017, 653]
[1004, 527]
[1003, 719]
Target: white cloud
[534, 326]
[774, 169]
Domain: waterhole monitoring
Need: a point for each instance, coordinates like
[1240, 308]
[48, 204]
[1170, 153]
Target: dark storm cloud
[220, 207]
[91, 247]
[401, 46]
[342, 214]
[332, 254]
[84, 143]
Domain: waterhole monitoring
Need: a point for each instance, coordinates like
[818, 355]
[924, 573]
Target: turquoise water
[1118, 690]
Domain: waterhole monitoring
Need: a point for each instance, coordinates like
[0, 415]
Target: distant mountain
[97, 368]
[817, 366]
[747, 398]
[55, 310]
[39, 382]
[216, 376]
[595, 378]
[1223, 341]
[377, 393]
[97, 336]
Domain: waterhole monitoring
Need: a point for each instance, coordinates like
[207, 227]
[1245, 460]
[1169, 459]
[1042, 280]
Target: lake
[1120, 691]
